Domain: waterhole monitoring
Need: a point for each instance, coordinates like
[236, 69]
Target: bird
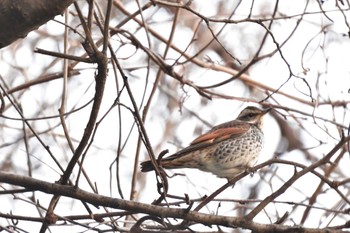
[226, 150]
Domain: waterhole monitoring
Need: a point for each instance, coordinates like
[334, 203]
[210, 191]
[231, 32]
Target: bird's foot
[250, 170]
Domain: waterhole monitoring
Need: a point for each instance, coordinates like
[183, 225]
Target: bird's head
[253, 115]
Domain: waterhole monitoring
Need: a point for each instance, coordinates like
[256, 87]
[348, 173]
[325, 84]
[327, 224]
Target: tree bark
[19, 17]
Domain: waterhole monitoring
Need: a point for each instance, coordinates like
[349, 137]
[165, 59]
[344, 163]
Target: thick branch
[19, 17]
[136, 207]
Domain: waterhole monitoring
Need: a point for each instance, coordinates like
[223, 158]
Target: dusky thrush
[226, 150]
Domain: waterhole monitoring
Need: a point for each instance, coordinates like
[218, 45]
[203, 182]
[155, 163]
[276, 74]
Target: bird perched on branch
[226, 150]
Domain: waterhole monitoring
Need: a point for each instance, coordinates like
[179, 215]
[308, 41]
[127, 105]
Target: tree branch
[136, 207]
[18, 18]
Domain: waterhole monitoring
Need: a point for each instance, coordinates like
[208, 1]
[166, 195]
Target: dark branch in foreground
[136, 207]
[18, 18]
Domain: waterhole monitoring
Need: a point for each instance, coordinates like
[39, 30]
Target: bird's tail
[171, 163]
[147, 166]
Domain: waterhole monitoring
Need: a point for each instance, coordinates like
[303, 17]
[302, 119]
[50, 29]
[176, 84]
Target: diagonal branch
[18, 18]
[295, 177]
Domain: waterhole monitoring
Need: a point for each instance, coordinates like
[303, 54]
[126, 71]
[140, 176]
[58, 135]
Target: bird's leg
[230, 180]
[250, 170]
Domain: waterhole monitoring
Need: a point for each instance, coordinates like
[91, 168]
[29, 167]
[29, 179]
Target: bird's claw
[250, 170]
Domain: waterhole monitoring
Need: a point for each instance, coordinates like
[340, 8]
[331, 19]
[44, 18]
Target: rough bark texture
[19, 17]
